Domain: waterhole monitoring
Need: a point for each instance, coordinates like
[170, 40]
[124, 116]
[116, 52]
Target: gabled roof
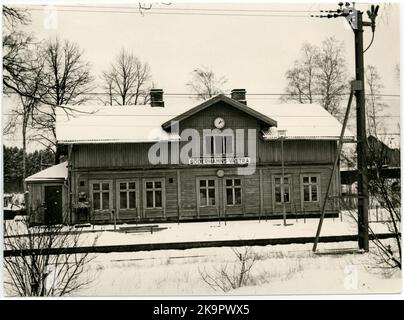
[240, 106]
[143, 123]
[57, 172]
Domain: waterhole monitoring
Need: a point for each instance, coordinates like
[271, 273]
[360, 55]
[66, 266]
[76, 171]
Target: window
[127, 195]
[218, 145]
[282, 192]
[154, 194]
[101, 193]
[207, 192]
[310, 188]
[233, 192]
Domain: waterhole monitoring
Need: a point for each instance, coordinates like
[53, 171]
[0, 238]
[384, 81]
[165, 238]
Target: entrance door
[232, 196]
[282, 196]
[53, 205]
[154, 199]
[208, 202]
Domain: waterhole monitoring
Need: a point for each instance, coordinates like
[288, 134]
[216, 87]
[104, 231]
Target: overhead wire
[178, 12]
[370, 44]
[169, 8]
[228, 94]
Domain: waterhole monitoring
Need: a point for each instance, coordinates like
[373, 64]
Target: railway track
[187, 245]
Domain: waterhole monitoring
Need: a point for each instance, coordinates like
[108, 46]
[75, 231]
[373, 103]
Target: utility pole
[282, 136]
[363, 195]
[355, 19]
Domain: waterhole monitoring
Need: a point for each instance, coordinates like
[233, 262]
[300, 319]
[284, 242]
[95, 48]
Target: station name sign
[207, 161]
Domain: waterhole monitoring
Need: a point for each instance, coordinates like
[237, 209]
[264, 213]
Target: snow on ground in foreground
[280, 269]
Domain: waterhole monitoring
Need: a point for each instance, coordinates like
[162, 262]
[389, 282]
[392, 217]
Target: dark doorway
[53, 205]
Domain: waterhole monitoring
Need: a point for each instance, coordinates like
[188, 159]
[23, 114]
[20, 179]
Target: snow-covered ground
[231, 230]
[280, 269]
[103, 235]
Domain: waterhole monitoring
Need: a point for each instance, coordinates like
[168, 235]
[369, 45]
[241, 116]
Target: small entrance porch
[48, 195]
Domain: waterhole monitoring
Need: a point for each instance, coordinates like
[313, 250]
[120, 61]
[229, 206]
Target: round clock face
[220, 173]
[219, 123]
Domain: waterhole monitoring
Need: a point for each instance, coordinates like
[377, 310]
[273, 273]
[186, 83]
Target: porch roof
[57, 172]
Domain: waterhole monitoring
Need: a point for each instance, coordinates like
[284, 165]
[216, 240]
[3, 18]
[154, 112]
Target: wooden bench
[135, 229]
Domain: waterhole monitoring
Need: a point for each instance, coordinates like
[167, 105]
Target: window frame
[310, 184]
[110, 202]
[162, 189]
[213, 153]
[289, 184]
[118, 193]
[215, 187]
[233, 187]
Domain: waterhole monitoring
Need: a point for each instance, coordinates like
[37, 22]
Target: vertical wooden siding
[188, 209]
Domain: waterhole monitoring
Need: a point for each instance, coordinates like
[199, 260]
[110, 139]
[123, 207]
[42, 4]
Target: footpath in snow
[131, 234]
[231, 230]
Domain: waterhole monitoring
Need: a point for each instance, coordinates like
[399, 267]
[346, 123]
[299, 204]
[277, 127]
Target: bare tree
[37, 261]
[205, 83]
[15, 42]
[387, 192]
[66, 81]
[13, 16]
[374, 104]
[234, 277]
[9, 125]
[108, 86]
[128, 80]
[301, 78]
[319, 76]
[332, 78]
[29, 91]
[22, 72]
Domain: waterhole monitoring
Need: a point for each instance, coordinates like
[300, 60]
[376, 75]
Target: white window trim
[289, 176]
[163, 193]
[215, 154]
[310, 184]
[92, 182]
[233, 187]
[215, 187]
[118, 199]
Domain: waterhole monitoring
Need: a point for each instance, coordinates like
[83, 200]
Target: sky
[252, 45]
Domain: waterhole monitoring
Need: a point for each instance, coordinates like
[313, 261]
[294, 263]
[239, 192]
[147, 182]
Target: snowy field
[281, 269]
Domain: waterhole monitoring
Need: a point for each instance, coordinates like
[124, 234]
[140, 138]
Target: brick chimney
[156, 98]
[239, 95]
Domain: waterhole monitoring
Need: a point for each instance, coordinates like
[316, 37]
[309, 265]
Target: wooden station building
[290, 149]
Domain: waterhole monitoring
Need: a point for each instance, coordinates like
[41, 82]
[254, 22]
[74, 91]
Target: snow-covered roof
[303, 121]
[55, 173]
[111, 124]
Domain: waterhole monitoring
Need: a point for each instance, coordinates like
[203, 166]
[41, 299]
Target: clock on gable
[219, 123]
